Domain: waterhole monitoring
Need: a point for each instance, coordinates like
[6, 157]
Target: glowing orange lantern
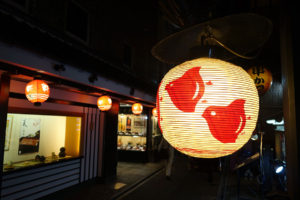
[137, 108]
[207, 108]
[262, 78]
[154, 112]
[104, 103]
[37, 91]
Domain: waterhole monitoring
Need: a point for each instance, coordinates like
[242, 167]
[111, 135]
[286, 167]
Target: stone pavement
[128, 175]
[198, 179]
[191, 179]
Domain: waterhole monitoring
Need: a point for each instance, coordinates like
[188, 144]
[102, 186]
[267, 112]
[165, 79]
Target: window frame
[18, 6]
[18, 110]
[68, 32]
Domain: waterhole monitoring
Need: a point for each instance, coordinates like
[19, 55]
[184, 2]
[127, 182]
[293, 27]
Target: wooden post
[110, 137]
[149, 134]
[100, 141]
[4, 95]
[289, 109]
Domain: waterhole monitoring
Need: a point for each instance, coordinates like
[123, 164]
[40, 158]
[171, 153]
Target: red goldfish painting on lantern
[207, 108]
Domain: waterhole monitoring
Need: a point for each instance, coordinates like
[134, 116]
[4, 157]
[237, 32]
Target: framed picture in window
[29, 139]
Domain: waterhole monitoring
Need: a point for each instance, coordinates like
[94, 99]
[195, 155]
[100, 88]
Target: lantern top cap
[207, 61]
[244, 27]
[37, 77]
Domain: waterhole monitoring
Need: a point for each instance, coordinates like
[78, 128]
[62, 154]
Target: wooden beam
[4, 95]
[289, 109]
[15, 68]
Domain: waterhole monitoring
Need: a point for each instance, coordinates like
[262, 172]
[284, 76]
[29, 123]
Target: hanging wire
[209, 35]
[233, 52]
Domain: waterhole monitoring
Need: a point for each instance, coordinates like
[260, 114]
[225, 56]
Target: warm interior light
[37, 91]
[137, 108]
[207, 108]
[104, 103]
[154, 112]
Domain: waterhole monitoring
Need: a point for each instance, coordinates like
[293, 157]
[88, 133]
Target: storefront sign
[207, 108]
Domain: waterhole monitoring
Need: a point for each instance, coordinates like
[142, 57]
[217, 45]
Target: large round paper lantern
[104, 103]
[207, 108]
[262, 78]
[37, 91]
[137, 108]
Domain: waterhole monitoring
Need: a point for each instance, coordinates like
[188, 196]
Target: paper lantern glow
[207, 108]
[37, 91]
[262, 78]
[154, 112]
[137, 108]
[104, 103]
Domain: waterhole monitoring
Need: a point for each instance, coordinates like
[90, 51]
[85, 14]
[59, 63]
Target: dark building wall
[119, 32]
[49, 12]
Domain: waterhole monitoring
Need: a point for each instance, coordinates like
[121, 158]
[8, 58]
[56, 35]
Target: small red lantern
[104, 103]
[37, 91]
[137, 108]
[154, 112]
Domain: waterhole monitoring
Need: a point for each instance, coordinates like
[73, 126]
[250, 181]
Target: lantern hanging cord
[233, 52]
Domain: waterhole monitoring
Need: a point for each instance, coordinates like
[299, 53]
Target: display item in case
[62, 152]
[132, 134]
[131, 143]
[128, 124]
[132, 147]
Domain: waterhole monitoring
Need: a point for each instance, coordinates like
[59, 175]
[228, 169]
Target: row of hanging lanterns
[38, 91]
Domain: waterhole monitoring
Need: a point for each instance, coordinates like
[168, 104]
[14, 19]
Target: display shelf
[130, 135]
[132, 145]
[29, 164]
[134, 150]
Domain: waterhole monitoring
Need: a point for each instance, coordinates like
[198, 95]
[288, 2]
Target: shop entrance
[137, 140]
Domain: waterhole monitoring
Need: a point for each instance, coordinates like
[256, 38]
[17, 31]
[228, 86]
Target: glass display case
[33, 140]
[132, 142]
[132, 132]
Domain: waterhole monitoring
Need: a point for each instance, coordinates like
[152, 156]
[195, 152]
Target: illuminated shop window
[132, 130]
[38, 139]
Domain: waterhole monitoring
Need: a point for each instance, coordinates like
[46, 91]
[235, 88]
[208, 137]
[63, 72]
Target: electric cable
[233, 52]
